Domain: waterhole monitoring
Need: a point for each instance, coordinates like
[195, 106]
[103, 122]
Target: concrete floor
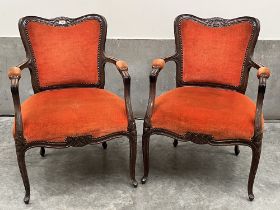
[187, 177]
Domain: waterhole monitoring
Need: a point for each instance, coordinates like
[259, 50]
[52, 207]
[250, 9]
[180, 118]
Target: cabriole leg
[133, 153]
[256, 153]
[145, 150]
[23, 172]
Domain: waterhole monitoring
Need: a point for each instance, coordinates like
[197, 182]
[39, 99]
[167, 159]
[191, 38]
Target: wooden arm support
[157, 66]
[14, 74]
[123, 70]
[263, 74]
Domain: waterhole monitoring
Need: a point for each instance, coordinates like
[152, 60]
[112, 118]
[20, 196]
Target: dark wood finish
[42, 151]
[254, 143]
[21, 144]
[104, 145]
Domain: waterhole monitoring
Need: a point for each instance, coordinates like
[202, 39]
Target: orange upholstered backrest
[215, 51]
[64, 53]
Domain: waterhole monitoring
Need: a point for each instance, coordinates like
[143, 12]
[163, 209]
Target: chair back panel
[64, 52]
[215, 51]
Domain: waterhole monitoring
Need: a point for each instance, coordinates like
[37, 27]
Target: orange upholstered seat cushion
[65, 55]
[214, 54]
[224, 114]
[56, 114]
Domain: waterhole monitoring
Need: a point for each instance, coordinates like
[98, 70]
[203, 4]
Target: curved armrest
[263, 74]
[157, 66]
[123, 70]
[14, 74]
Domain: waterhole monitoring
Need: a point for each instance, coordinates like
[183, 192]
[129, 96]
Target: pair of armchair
[70, 107]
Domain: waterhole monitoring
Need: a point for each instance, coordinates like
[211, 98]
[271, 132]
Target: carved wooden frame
[78, 141]
[199, 138]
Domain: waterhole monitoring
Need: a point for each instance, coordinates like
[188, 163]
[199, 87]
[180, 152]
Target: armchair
[70, 107]
[213, 58]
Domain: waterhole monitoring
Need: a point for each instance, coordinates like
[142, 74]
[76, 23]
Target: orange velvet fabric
[55, 114]
[65, 55]
[224, 114]
[214, 55]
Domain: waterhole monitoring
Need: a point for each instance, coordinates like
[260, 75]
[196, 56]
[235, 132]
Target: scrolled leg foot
[251, 197]
[144, 180]
[236, 150]
[134, 183]
[175, 142]
[26, 198]
[42, 151]
[104, 145]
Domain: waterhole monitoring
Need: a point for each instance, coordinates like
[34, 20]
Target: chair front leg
[256, 153]
[145, 150]
[22, 167]
[132, 156]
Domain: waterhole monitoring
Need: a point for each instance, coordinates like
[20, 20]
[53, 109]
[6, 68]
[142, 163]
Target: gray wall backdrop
[139, 55]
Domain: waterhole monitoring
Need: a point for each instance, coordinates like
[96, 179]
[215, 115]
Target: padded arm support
[14, 74]
[158, 63]
[123, 70]
[263, 74]
[157, 66]
[122, 65]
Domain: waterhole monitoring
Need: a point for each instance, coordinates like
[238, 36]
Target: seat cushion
[56, 114]
[224, 114]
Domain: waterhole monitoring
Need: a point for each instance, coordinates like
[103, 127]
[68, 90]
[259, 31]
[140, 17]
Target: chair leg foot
[134, 183]
[104, 145]
[236, 150]
[22, 167]
[132, 157]
[251, 197]
[26, 199]
[175, 142]
[42, 151]
[256, 153]
[144, 180]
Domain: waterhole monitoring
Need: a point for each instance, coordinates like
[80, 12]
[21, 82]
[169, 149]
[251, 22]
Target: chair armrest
[157, 65]
[263, 74]
[122, 67]
[14, 74]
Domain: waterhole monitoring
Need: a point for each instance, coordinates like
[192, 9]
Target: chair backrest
[65, 52]
[215, 52]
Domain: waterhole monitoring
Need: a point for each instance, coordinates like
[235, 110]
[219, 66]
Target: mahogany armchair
[213, 58]
[70, 107]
